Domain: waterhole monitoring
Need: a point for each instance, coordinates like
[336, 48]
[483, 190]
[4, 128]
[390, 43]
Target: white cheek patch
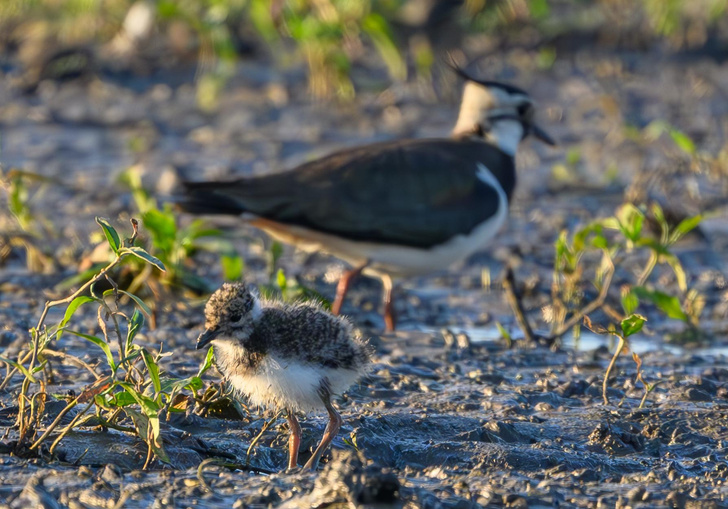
[506, 135]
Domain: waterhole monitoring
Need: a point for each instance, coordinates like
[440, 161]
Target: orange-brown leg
[389, 319]
[332, 428]
[343, 287]
[294, 441]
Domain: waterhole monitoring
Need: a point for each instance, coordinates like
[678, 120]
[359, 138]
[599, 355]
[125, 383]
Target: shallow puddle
[587, 341]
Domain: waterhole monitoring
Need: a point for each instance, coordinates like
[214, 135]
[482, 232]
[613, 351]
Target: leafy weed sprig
[134, 386]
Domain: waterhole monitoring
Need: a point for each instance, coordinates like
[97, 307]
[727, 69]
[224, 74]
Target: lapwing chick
[398, 208]
[290, 356]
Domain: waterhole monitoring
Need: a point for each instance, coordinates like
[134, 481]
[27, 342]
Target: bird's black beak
[206, 337]
[540, 134]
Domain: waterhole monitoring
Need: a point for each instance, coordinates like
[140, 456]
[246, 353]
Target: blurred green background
[343, 44]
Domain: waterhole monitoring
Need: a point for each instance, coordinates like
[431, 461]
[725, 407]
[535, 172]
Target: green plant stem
[259, 436]
[111, 422]
[620, 346]
[644, 399]
[37, 337]
[66, 300]
[70, 426]
[651, 264]
[577, 317]
[11, 372]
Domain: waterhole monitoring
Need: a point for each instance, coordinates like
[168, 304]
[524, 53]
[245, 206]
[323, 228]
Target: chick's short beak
[540, 134]
[206, 337]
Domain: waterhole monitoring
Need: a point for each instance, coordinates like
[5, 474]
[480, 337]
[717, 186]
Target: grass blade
[139, 302]
[135, 324]
[100, 343]
[20, 368]
[153, 369]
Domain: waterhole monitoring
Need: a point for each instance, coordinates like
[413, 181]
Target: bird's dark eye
[235, 317]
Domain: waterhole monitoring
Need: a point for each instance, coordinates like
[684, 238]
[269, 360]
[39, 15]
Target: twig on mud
[73, 360]
[259, 436]
[516, 305]
[509, 286]
[620, 346]
[77, 461]
[200, 473]
[70, 426]
[232, 465]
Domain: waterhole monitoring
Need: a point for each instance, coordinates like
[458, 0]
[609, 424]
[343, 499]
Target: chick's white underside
[289, 383]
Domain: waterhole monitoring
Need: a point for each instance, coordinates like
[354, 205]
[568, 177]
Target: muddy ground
[450, 417]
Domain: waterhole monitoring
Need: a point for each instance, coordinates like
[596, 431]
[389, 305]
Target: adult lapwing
[397, 208]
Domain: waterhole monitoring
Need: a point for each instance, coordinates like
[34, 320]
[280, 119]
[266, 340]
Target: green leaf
[173, 385]
[683, 141]
[659, 216]
[71, 309]
[198, 229]
[102, 402]
[153, 369]
[139, 302]
[135, 324]
[163, 228]
[281, 280]
[612, 223]
[539, 9]
[261, 17]
[502, 331]
[307, 294]
[276, 251]
[20, 368]
[630, 301]
[110, 232]
[133, 355]
[631, 220]
[195, 383]
[674, 263]
[148, 430]
[101, 344]
[686, 226]
[666, 303]
[209, 358]
[144, 255]
[632, 325]
[148, 405]
[653, 244]
[232, 266]
[376, 26]
[122, 399]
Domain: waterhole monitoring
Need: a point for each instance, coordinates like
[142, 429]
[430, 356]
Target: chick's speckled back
[307, 332]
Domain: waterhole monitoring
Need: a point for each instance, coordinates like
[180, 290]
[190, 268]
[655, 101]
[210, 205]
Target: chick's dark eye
[523, 109]
[235, 317]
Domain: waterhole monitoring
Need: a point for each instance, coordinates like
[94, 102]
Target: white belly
[403, 261]
[291, 385]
